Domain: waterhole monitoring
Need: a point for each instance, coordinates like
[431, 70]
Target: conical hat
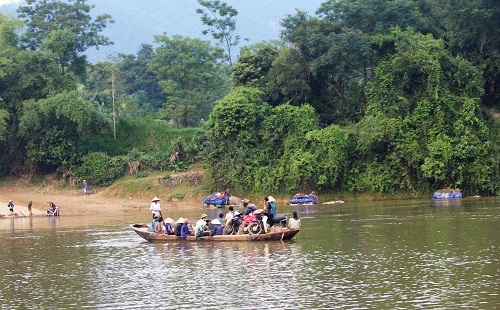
[169, 220]
[155, 199]
[180, 220]
[201, 222]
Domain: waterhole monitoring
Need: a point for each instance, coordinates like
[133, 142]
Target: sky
[8, 1]
[137, 21]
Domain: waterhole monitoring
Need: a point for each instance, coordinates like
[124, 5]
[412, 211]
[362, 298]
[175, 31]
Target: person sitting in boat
[185, 232]
[178, 226]
[229, 216]
[168, 226]
[158, 228]
[217, 225]
[294, 222]
[201, 229]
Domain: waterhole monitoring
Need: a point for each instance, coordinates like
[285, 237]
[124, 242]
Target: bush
[101, 169]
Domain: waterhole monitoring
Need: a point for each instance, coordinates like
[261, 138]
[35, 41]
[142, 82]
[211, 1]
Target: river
[377, 255]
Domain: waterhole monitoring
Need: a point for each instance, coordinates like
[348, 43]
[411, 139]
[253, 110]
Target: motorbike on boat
[260, 226]
[233, 225]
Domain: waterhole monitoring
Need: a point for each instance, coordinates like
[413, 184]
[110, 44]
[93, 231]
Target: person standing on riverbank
[85, 187]
[11, 206]
[30, 204]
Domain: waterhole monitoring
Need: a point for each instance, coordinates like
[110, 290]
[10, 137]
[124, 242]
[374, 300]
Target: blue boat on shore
[447, 194]
[303, 200]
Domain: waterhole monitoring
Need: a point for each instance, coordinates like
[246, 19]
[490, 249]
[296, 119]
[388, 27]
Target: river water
[385, 255]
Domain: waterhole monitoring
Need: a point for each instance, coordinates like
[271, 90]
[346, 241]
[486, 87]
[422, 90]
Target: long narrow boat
[142, 230]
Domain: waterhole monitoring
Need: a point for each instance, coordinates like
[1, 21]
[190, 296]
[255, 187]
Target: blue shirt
[185, 231]
[272, 208]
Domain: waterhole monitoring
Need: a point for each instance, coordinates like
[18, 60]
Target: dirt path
[71, 202]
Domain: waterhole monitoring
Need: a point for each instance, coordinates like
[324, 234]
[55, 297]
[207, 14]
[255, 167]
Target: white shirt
[228, 217]
[294, 223]
[155, 208]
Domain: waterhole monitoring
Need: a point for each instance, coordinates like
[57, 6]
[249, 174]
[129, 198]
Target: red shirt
[248, 218]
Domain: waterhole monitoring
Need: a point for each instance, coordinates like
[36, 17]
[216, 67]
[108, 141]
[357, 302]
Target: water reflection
[399, 255]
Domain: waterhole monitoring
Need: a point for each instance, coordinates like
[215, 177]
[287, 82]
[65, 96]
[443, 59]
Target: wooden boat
[143, 231]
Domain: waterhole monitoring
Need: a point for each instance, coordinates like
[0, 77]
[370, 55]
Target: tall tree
[220, 18]
[337, 46]
[64, 27]
[191, 74]
[472, 30]
[424, 127]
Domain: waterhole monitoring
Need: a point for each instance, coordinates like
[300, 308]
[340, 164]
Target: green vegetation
[366, 97]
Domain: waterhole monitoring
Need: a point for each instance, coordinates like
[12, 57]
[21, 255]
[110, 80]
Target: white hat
[271, 199]
[155, 199]
[215, 222]
[180, 220]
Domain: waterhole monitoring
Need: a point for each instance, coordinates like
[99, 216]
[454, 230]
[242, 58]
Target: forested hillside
[362, 96]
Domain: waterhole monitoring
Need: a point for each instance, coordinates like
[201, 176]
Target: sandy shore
[75, 203]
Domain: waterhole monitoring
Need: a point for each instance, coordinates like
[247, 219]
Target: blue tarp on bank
[215, 199]
[447, 194]
[303, 199]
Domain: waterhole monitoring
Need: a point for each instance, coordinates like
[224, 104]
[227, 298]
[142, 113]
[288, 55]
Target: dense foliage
[364, 96]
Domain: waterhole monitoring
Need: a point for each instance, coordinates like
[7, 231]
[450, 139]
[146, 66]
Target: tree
[65, 28]
[253, 66]
[220, 18]
[59, 129]
[336, 47]
[472, 30]
[424, 126]
[140, 82]
[191, 74]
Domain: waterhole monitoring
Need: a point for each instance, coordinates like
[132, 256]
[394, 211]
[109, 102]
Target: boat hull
[142, 230]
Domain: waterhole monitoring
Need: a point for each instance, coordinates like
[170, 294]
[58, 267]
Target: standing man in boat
[270, 209]
[155, 207]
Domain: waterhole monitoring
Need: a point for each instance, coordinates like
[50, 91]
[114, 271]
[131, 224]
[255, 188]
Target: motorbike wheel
[228, 230]
[254, 228]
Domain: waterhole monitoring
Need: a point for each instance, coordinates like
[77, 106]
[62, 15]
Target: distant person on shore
[53, 209]
[30, 204]
[10, 205]
[227, 194]
[294, 222]
[85, 187]
[155, 207]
